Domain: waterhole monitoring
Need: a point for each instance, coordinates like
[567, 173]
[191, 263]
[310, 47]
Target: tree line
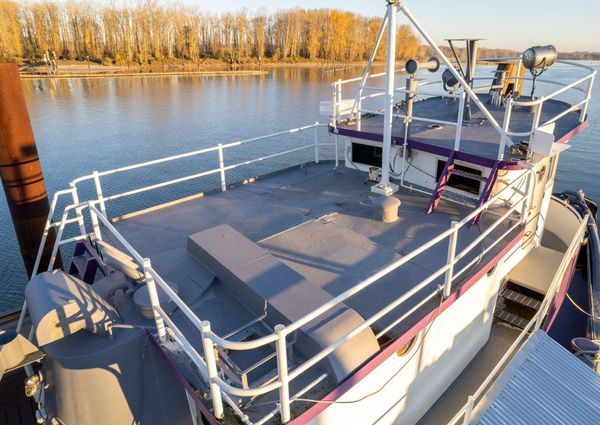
[145, 30]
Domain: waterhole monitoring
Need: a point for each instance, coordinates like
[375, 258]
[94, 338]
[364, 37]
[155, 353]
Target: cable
[309, 400]
[580, 308]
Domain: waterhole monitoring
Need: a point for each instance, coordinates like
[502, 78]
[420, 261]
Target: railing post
[151, 285]
[524, 206]
[78, 213]
[505, 127]
[338, 99]
[334, 104]
[459, 121]
[450, 259]
[101, 203]
[222, 169]
[282, 368]
[358, 108]
[469, 410]
[588, 97]
[336, 152]
[95, 223]
[211, 366]
[316, 143]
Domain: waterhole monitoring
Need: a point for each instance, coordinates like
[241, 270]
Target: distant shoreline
[72, 69]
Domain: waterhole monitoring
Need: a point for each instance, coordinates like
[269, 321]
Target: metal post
[334, 104]
[338, 99]
[469, 410]
[222, 169]
[101, 203]
[358, 108]
[582, 116]
[282, 368]
[95, 223]
[316, 143]
[450, 259]
[384, 187]
[21, 171]
[459, 121]
[524, 206]
[78, 214]
[151, 285]
[505, 127]
[336, 152]
[211, 366]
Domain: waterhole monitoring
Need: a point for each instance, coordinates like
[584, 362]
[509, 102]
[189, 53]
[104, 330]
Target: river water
[82, 125]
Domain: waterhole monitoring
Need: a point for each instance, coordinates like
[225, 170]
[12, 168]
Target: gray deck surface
[455, 397]
[318, 221]
[481, 140]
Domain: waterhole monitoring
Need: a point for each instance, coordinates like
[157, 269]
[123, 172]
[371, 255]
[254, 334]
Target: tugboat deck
[316, 220]
[477, 140]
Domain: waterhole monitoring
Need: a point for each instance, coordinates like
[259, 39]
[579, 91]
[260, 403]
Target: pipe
[21, 171]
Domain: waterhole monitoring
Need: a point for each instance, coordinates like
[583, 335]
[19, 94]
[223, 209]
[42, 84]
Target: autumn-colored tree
[146, 30]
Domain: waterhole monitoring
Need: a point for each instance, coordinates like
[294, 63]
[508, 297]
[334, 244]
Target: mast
[385, 187]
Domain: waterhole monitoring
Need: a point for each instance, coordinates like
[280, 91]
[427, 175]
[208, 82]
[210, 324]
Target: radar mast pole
[385, 187]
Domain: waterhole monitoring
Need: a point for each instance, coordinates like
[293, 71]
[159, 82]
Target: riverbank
[74, 69]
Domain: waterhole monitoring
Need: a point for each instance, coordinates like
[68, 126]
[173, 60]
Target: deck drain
[435, 126]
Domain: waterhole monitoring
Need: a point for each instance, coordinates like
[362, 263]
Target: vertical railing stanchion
[450, 259]
[469, 410]
[505, 127]
[153, 295]
[282, 368]
[338, 99]
[334, 87]
[524, 206]
[459, 121]
[78, 213]
[101, 203]
[211, 366]
[316, 143]
[94, 219]
[358, 108]
[336, 152]
[222, 169]
[584, 108]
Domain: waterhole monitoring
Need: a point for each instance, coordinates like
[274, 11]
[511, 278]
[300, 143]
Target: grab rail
[505, 134]
[219, 388]
[466, 412]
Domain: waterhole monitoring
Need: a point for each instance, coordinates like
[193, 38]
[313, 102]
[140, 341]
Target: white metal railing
[465, 414]
[365, 92]
[220, 389]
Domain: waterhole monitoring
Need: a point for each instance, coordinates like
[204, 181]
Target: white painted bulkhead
[440, 353]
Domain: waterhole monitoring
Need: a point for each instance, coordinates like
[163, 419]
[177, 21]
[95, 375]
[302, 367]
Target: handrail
[504, 131]
[219, 388]
[536, 321]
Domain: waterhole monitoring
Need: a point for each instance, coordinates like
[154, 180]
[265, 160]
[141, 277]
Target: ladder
[449, 170]
[441, 183]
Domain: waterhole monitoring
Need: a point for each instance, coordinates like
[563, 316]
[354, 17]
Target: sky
[516, 24]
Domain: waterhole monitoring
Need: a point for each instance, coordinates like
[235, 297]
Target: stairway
[517, 305]
[450, 170]
[86, 262]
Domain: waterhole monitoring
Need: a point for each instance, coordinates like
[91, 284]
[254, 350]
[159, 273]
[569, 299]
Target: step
[511, 318]
[522, 299]
[468, 175]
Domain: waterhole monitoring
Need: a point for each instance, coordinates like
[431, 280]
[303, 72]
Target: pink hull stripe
[318, 408]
